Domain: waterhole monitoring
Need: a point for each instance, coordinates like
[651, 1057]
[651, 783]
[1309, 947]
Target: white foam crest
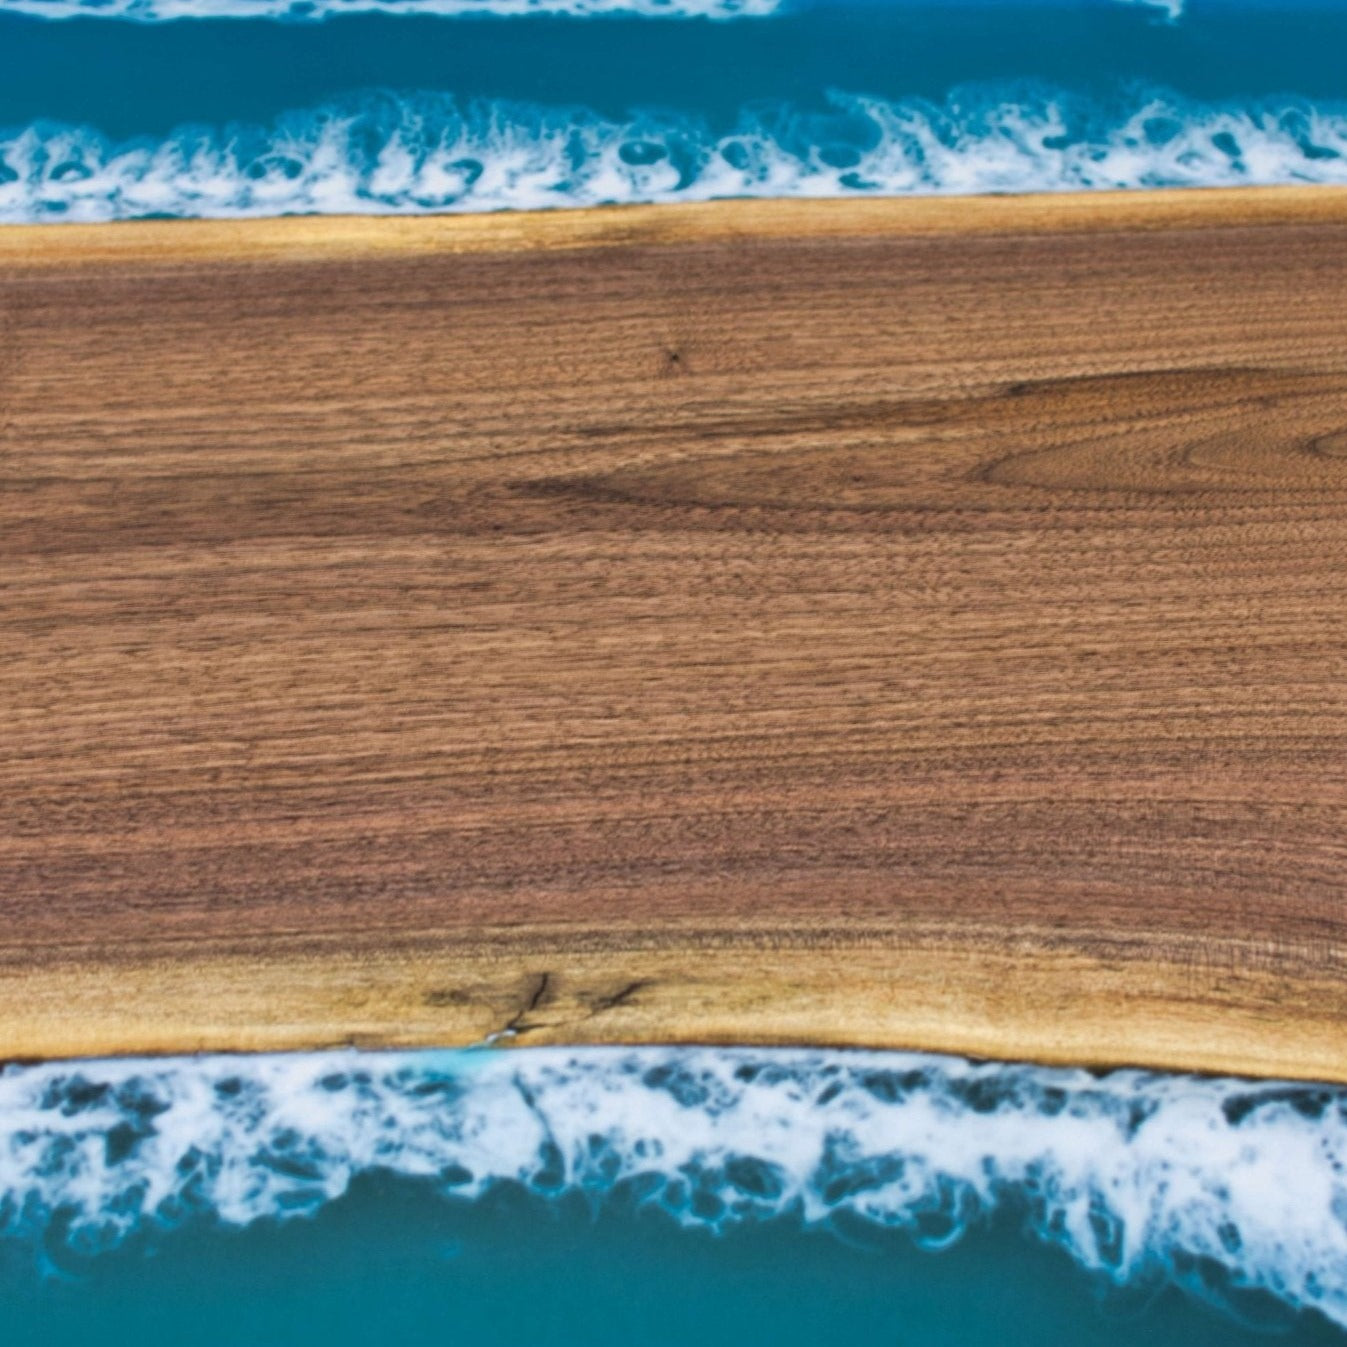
[158, 11]
[420, 154]
[1217, 1183]
[1172, 9]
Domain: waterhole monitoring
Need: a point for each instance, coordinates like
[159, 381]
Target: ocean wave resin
[747, 1195]
[262, 107]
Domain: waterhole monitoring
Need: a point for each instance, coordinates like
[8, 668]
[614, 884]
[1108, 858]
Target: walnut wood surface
[858, 633]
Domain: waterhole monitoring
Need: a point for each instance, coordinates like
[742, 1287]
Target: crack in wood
[622, 997]
[518, 1025]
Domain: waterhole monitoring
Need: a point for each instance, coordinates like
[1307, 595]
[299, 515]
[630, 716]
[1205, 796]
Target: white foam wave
[1221, 1182]
[417, 154]
[1173, 9]
[154, 11]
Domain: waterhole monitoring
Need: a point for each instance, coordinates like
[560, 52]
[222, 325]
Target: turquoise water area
[217, 107]
[665, 1196]
[390, 1263]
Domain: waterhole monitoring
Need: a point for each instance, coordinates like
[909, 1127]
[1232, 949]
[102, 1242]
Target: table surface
[918, 625]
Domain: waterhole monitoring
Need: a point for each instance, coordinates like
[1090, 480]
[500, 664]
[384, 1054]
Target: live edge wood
[889, 623]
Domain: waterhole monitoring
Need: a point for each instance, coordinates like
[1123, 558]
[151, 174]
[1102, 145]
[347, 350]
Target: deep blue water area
[391, 1262]
[130, 79]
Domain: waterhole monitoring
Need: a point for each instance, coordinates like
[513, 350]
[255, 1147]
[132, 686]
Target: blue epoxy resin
[429, 105]
[611, 1196]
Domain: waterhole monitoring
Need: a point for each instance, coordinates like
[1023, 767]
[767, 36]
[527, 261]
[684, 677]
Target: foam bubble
[386, 153]
[1211, 1183]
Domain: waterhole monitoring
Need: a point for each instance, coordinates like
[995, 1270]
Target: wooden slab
[906, 623]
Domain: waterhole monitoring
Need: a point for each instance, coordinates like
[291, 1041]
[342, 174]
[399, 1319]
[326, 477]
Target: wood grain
[912, 623]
